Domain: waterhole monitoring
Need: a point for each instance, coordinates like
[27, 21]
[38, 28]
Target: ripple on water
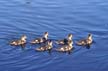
[59, 18]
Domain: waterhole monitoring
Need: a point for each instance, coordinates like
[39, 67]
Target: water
[58, 17]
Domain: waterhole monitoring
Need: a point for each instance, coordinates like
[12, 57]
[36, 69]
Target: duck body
[17, 42]
[20, 41]
[66, 48]
[85, 42]
[46, 47]
[38, 40]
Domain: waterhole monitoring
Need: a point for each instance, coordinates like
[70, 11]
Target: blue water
[58, 17]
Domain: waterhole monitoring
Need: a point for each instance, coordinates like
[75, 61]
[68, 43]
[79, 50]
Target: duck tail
[78, 43]
[38, 49]
[32, 42]
[56, 42]
[11, 43]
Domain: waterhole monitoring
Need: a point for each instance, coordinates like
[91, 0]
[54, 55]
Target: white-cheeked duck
[40, 40]
[66, 40]
[65, 48]
[46, 47]
[85, 42]
[20, 41]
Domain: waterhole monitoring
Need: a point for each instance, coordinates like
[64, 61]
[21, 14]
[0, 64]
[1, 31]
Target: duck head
[46, 35]
[23, 38]
[89, 39]
[50, 43]
[89, 36]
[69, 36]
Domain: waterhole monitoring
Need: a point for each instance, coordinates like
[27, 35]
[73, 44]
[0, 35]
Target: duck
[65, 48]
[40, 40]
[46, 47]
[85, 42]
[20, 41]
[65, 41]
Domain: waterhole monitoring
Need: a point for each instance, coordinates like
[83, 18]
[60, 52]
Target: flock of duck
[66, 43]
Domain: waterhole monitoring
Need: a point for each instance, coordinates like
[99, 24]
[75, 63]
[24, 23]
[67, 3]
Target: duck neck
[22, 39]
[69, 38]
[46, 37]
[70, 45]
[50, 44]
[90, 38]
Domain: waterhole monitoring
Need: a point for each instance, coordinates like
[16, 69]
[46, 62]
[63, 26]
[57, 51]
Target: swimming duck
[46, 47]
[40, 40]
[66, 48]
[65, 41]
[85, 42]
[20, 41]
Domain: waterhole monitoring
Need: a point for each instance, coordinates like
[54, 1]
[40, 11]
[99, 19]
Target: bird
[65, 41]
[85, 42]
[20, 41]
[46, 47]
[40, 40]
[65, 48]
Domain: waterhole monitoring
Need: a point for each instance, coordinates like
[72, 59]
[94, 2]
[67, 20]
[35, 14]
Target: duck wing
[81, 42]
[63, 48]
[62, 42]
[42, 48]
[14, 42]
[35, 41]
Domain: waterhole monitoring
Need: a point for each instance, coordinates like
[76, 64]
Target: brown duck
[46, 47]
[20, 41]
[40, 40]
[66, 48]
[85, 42]
[65, 41]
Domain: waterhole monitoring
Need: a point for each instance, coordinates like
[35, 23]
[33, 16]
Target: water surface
[58, 17]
